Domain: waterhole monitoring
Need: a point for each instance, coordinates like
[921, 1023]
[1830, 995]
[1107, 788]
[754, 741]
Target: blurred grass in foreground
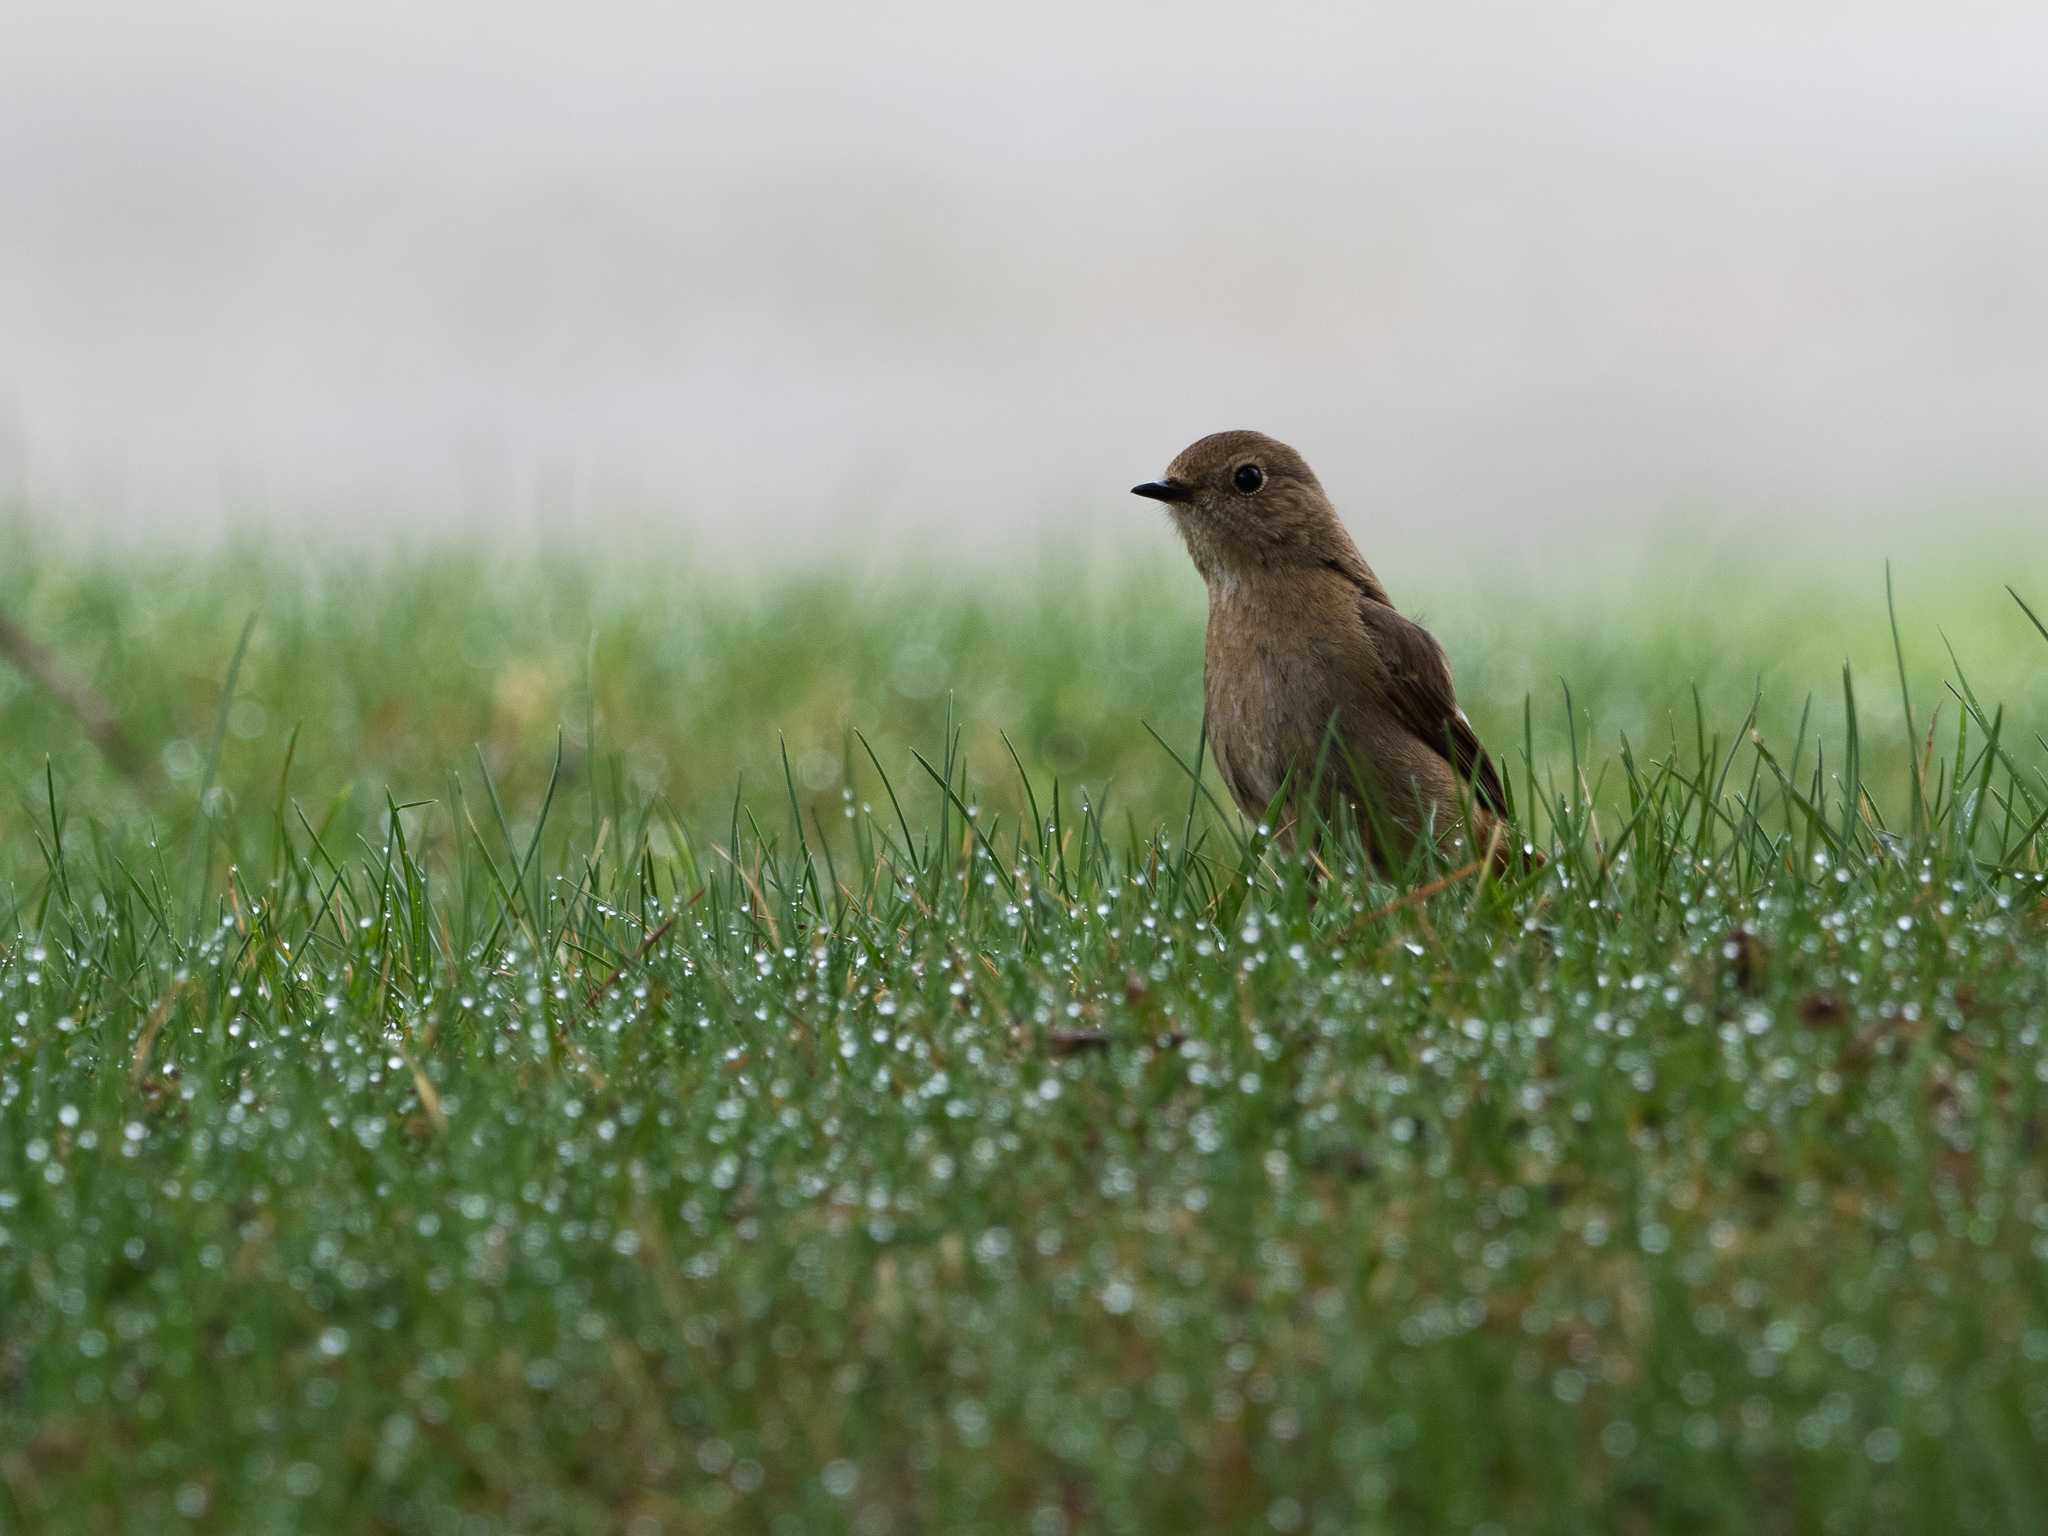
[397, 1139]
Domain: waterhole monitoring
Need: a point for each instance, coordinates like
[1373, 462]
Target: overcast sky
[819, 276]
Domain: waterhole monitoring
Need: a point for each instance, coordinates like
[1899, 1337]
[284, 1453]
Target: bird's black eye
[1249, 478]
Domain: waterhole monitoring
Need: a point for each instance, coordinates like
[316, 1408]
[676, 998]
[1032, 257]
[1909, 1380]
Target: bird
[1312, 679]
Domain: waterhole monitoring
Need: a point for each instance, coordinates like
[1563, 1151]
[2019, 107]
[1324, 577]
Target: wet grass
[477, 1075]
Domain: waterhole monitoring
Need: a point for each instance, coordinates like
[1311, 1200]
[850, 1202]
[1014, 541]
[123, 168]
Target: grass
[476, 1075]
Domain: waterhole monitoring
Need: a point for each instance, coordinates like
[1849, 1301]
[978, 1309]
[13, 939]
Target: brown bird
[1309, 664]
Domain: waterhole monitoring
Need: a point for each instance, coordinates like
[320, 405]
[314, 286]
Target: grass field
[550, 1047]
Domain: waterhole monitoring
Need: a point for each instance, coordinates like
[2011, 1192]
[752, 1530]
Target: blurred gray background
[820, 278]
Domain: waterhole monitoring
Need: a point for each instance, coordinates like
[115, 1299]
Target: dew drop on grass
[840, 1478]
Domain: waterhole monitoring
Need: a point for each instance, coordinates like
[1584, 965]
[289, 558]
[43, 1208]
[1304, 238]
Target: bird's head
[1245, 502]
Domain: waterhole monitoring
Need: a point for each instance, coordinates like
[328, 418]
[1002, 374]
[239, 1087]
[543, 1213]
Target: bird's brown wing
[1419, 693]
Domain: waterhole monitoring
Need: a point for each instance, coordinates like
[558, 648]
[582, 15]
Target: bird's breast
[1271, 683]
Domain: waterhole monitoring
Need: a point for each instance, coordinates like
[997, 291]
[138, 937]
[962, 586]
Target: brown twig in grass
[1419, 895]
[640, 954]
[86, 705]
[430, 1096]
[151, 1028]
[759, 911]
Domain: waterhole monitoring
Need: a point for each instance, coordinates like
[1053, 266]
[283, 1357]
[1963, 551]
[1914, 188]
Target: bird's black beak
[1163, 490]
